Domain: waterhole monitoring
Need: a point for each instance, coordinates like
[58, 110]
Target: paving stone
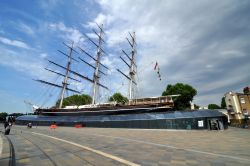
[145, 147]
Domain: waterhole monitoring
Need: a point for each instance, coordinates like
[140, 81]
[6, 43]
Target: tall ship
[134, 105]
[150, 112]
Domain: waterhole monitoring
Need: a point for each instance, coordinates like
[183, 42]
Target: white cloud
[49, 5]
[197, 43]
[110, 63]
[68, 33]
[209, 66]
[100, 19]
[232, 54]
[15, 43]
[43, 55]
[23, 62]
[92, 35]
[26, 29]
[79, 86]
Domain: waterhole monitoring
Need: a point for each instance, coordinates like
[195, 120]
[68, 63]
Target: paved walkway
[102, 146]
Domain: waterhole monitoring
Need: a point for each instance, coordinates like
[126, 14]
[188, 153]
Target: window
[242, 100]
[245, 112]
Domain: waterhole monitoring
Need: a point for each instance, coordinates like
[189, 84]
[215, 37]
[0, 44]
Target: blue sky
[202, 43]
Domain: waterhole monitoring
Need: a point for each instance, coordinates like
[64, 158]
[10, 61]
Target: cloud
[232, 54]
[68, 33]
[202, 43]
[15, 43]
[92, 35]
[100, 19]
[204, 100]
[43, 55]
[26, 29]
[22, 61]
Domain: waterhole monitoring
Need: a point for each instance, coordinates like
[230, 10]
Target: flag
[156, 64]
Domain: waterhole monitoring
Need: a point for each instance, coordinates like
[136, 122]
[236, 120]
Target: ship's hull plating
[90, 112]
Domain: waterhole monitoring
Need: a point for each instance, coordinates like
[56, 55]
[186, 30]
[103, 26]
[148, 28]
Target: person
[7, 128]
[29, 125]
[6, 123]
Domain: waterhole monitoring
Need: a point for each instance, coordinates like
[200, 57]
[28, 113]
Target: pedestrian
[7, 128]
[29, 125]
[6, 123]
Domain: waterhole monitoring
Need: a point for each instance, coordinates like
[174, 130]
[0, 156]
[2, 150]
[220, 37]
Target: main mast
[132, 69]
[132, 66]
[98, 64]
[96, 73]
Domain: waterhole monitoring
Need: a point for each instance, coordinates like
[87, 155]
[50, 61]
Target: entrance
[215, 124]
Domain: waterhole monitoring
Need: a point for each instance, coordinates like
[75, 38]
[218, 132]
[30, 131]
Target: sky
[203, 43]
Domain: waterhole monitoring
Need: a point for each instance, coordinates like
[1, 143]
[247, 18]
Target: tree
[213, 106]
[223, 103]
[75, 100]
[3, 116]
[186, 93]
[246, 90]
[196, 106]
[119, 98]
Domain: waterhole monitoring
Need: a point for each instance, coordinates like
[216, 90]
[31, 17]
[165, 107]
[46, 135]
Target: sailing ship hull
[103, 111]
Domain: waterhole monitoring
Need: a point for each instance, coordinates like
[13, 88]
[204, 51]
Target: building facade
[238, 105]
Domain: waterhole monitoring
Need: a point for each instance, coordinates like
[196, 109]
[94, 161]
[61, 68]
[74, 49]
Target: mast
[96, 73]
[98, 64]
[64, 83]
[132, 66]
[66, 76]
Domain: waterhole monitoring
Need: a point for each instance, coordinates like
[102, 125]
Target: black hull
[81, 112]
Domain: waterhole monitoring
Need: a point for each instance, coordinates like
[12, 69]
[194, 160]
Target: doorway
[215, 124]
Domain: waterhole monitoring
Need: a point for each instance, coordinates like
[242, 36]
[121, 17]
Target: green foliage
[246, 90]
[19, 114]
[223, 103]
[75, 100]
[3, 115]
[119, 98]
[213, 106]
[186, 93]
[196, 106]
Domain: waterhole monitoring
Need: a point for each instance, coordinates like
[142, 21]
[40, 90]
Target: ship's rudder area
[188, 120]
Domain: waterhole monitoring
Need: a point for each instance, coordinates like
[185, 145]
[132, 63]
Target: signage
[200, 123]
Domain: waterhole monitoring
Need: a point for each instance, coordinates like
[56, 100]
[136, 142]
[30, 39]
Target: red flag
[156, 64]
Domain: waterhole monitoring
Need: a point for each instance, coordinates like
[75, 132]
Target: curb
[7, 155]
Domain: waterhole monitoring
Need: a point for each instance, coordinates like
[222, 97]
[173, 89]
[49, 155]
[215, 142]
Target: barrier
[78, 126]
[53, 126]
